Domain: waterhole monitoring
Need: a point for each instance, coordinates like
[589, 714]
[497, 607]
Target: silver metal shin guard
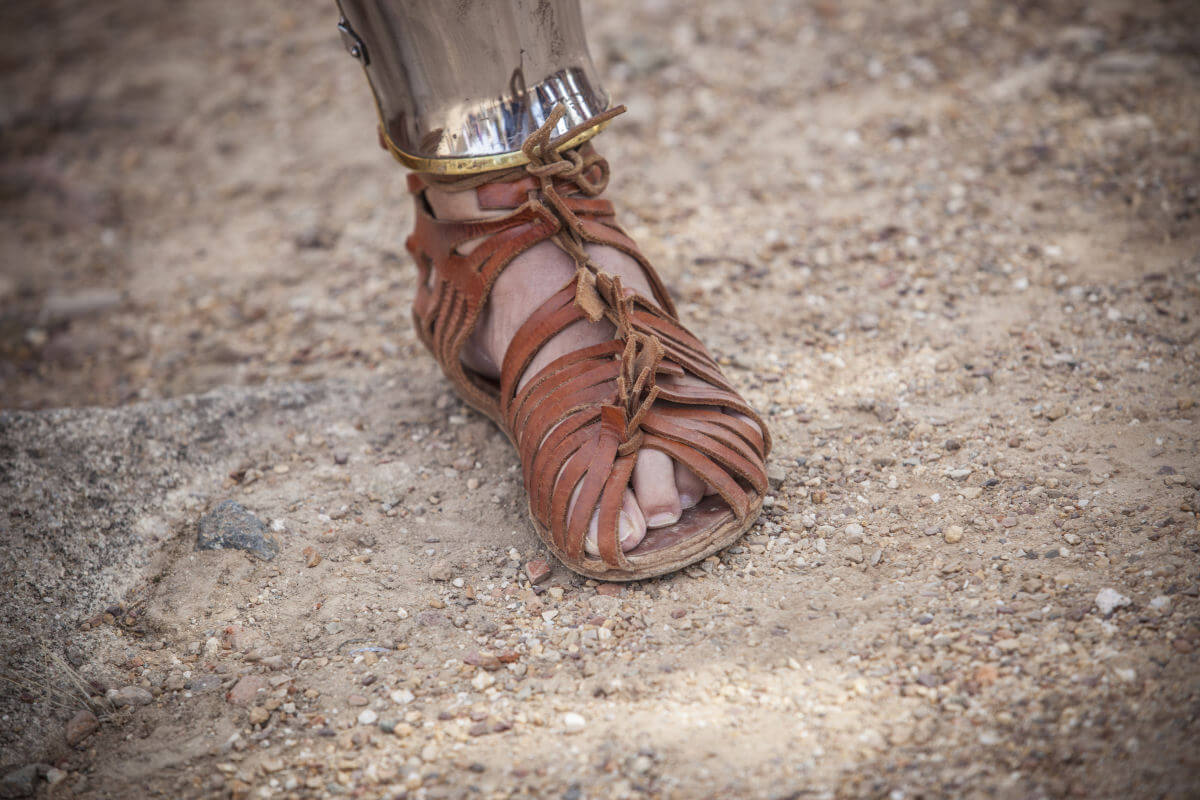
[460, 84]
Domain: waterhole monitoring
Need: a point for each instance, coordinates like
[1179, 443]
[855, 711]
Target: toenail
[662, 519]
[688, 500]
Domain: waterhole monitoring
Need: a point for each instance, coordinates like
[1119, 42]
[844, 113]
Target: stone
[129, 696]
[315, 237]
[866, 321]
[538, 571]
[19, 782]
[486, 661]
[1055, 412]
[441, 571]
[258, 715]
[1119, 68]
[482, 680]
[1161, 603]
[81, 726]
[1109, 600]
[246, 690]
[272, 662]
[1081, 38]
[573, 723]
[203, 683]
[402, 697]
[953, 534]
[230, 526]
[66, 306]
[367, 717]
[986, 674]
[776, 475]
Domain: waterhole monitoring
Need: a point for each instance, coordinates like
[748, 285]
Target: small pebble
[538, 571]
[1109, 600]
[81, 726]
[130, 696]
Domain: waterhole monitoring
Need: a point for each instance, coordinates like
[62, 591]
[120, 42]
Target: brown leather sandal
[582, 419]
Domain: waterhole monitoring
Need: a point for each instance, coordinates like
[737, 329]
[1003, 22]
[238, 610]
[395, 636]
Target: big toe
[654, 485]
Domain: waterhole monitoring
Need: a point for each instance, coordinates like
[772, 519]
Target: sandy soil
[951, 250]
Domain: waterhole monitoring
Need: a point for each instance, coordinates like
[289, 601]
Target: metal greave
[460, 84]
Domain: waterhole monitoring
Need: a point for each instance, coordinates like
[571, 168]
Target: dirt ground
[950, 248]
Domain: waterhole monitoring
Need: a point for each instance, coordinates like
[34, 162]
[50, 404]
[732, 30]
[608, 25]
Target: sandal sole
[697, 546]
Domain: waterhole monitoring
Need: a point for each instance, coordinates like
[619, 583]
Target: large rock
[230, 526]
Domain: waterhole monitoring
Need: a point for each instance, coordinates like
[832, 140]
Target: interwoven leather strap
[579, 422]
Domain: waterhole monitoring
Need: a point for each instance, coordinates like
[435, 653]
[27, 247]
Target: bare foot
[661, 488]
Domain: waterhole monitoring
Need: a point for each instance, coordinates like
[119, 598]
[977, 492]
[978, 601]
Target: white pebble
[482, 680]
[367, 717]
[574, 723]
[1109, 600]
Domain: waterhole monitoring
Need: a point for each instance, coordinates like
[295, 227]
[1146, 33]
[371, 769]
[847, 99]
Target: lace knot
[597, 294]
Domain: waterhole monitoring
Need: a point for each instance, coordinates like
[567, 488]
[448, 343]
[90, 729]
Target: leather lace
[598, 294]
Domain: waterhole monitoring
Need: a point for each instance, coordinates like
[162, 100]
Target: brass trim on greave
[470, 165]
